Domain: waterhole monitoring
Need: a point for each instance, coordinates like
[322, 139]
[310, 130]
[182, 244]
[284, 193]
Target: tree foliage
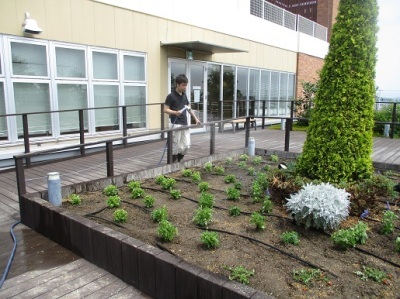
[339, 139]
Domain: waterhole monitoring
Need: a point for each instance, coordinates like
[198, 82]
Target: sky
[388, 64]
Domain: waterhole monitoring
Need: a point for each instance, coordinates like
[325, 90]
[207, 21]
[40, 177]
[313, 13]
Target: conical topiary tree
[339, 139]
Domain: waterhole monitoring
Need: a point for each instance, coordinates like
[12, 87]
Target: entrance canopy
[200, 46]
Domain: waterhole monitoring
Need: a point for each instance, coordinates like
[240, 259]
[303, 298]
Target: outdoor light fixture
[189, 55]
[30, 26]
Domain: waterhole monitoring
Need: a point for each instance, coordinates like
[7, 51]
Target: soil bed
[272, 260]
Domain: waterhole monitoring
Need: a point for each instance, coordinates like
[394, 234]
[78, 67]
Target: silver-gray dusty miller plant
[319, 206]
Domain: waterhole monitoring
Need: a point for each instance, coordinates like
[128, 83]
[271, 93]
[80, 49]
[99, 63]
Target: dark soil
[272, 260]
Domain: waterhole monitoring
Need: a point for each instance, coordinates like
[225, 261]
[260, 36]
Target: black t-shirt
[177, 102]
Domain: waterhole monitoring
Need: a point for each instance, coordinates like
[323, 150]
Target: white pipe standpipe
[54, 188]
[251, 149]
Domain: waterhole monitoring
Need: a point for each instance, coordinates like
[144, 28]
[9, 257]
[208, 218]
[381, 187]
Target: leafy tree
[339, 139]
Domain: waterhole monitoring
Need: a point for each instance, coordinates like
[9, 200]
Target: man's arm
[169, 111]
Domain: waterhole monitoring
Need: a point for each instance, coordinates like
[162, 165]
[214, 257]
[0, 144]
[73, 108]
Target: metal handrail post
[82, 133]
[162, 121]
[110, 159]
[263, 115]
[247, 133]
[20, 174]
[289, 123]
[391, 134]
[212, 139]
[25, 127]
[169, 147]
[124, 126]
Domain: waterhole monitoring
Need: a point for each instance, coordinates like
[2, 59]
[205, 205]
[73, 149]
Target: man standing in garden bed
[177, 106]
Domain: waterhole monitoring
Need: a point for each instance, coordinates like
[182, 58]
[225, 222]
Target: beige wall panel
[10, 20]
[124, 33]
[104, 30]
[82, 22]
[197, 33]
[139, 32]
[58, 20]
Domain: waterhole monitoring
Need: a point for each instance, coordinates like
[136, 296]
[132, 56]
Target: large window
[71, 63]
[29, 59]
[241, 92]
[49, 76]
[33, 97]
[72, 96]
[214, 92]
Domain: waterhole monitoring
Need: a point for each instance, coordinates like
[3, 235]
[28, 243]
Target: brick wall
[307, 70]
[326, 14]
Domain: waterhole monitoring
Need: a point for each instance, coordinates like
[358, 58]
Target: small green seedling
[234, 211]
[196, 177]
[274, 158]
[203, 216]
[159, 214]
[258, 220]
[290, 238]
[372, 273]
[229, 160]
[114, 201]
[75, 199]
[251, 171]
[160, 179]
[257, 192]
[219, 170]
[187, 172]
[397, 244]
[203, 186]
[346, 238]
[210, 239]
[237, 185]
[148, 201]
[267, 206]
[307, 276]
[240, 274]
[232, 193]
[175, 193]
[120, 216]
[243, 157]
[242, 164]
[110, 190]
[257, 160]
[134, 184]
[167, 231]
[206, 200]
[208, 166]
[230, 178]
[388, 222]
[168, 183]
[137, 192]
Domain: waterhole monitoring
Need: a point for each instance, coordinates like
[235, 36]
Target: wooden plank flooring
[44, 269]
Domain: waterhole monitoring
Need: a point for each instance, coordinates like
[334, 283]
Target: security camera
[30, 26]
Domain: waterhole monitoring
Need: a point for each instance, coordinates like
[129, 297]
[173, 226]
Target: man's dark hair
[181, 79]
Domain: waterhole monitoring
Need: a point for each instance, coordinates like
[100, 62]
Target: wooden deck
[44, 269]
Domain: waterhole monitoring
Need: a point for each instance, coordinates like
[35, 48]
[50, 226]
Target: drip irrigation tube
[106, 220]
[377, 256]
[272, 247]
[95, 212]
[11, 256]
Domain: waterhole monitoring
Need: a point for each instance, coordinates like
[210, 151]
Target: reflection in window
[228, 91]
[136, 115]
[254, 92]
[264, 92]
[274, 93]
[106, 96]
[214, 92]
[283, 103]
[241, 93]
[33, 97]
[133, 68]
[72, 96]
[28, 59]
[105, 66]
[70, 63]
[3, 120]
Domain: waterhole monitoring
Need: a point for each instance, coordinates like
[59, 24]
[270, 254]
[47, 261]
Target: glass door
[196, 89]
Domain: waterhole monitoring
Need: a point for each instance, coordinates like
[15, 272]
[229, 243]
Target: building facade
[104, 53]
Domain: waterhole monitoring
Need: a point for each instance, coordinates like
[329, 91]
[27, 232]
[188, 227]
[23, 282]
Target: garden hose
[12, 254]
